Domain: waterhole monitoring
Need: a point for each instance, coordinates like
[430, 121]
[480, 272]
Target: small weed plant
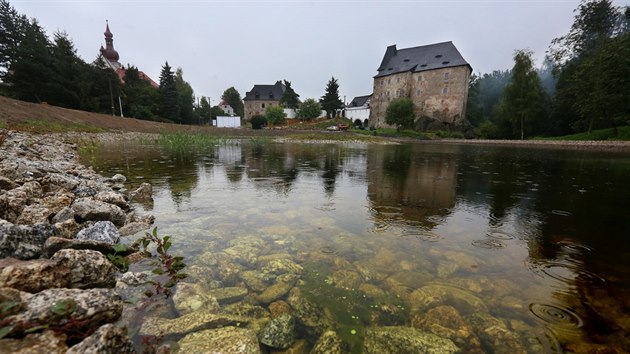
[167, 267]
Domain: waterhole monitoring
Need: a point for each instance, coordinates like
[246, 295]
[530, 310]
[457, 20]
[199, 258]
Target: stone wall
[440, 94]
[257, 107]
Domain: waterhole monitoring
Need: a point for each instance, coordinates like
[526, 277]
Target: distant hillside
[42, 118]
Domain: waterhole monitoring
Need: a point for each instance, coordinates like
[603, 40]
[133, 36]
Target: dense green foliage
[275, 115]
[309, 109]
[233, 98]
[401, 112]
[258, 122]
[330, 101]
[289, 99]
[582, 85]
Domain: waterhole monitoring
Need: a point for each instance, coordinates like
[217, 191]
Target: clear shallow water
[532, 241]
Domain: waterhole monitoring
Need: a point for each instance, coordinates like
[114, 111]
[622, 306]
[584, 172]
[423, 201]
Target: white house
[227, 109]
[359, 108]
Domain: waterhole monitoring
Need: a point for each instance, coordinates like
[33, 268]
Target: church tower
[109, 53]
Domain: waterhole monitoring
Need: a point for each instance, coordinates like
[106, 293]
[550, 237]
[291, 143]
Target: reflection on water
[497, 249]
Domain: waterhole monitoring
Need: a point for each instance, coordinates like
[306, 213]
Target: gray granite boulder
[23, 241]
[192, 322]
[88, 269]
[33, 275]
[47, 342]
[95, 210]
[66, 307]
[101, 231]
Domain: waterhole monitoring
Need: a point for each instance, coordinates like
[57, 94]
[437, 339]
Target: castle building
[435, 77]
[111, 57]
[261, 97]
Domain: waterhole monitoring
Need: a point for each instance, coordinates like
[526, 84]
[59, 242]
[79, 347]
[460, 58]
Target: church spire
[109, 52]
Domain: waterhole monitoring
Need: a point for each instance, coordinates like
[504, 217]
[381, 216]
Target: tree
[105, 87]
[70, 86]
[233, 98]
[203, 110]
[309, 109]
[330, 101]
[524, 97]
[289, 99]
[401, 112]
[474, 109]
[31, 66]
[13, 28]
[140, 99]
[275, 115]
[595, 21]
[168, 95]
[185, 97]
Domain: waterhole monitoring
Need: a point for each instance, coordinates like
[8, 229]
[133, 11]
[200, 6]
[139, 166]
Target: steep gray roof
[422, 58]
[359, 101]
[265, 92]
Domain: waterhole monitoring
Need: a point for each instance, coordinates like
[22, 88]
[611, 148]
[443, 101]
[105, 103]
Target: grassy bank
[623, 134]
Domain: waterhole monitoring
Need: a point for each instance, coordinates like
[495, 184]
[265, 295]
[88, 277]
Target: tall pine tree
[289, 99]
[330, 101]
[168, 95]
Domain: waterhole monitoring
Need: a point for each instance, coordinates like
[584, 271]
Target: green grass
[3, 124]
[187, 140]
[334, 136]
[392, 132]
[623, 133]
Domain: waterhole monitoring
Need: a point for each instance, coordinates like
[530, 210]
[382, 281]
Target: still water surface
[501, 249]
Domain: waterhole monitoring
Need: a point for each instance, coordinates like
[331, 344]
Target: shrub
[275, 115]
[401, 112]
[309, 109]
[258, 122]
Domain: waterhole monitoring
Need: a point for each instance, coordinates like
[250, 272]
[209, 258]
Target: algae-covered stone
[310, 317]
[274, 292]
[227, 340]
[228, 295]
[495, 334]
[346, 279]
[279, 332]
[405, 340]
[439, 294]
[446, 322]
[328, 343]
[192, 297]
[255, 280]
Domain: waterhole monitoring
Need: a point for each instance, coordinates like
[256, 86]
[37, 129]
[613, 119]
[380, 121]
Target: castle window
[445, 76]
[398, 80]
[387, 93]
[389, 81]
[263, 105]
[445, 91]
[418, 92]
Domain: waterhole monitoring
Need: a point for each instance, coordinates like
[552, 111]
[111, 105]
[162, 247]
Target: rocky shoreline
[58, 221]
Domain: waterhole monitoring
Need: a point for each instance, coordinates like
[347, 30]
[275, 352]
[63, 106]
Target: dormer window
[438, 56]
[271, 95]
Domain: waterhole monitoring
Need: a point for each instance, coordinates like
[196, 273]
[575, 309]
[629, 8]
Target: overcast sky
[219, 44]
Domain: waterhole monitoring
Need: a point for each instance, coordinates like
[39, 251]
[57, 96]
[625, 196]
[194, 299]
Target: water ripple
[561, 212]
[499, 235]
[565, 271]
[556, 316]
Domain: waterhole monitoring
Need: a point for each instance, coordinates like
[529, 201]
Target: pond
[499, 249]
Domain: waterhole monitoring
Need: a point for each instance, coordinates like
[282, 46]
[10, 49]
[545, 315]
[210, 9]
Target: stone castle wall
[257, 107]
[440, 94]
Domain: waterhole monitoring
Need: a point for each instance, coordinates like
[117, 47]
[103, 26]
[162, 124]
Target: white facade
[358, 113]
[290, 112]
[227, 122]
[227, 109]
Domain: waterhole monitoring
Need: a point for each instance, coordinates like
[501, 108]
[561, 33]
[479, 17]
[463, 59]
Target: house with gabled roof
[260, 97]
[359, 108]
[435, 77]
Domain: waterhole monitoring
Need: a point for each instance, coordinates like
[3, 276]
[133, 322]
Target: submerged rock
[438, 294]
[192, 322]
[403, 340]
[310, 317]
[227, 340]
[274, 292]
[228, 295]
[328, 343]
[33, 275]
[495, 334]
[279, 333]
[191, 297]
[446, 322]
[142, 194]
